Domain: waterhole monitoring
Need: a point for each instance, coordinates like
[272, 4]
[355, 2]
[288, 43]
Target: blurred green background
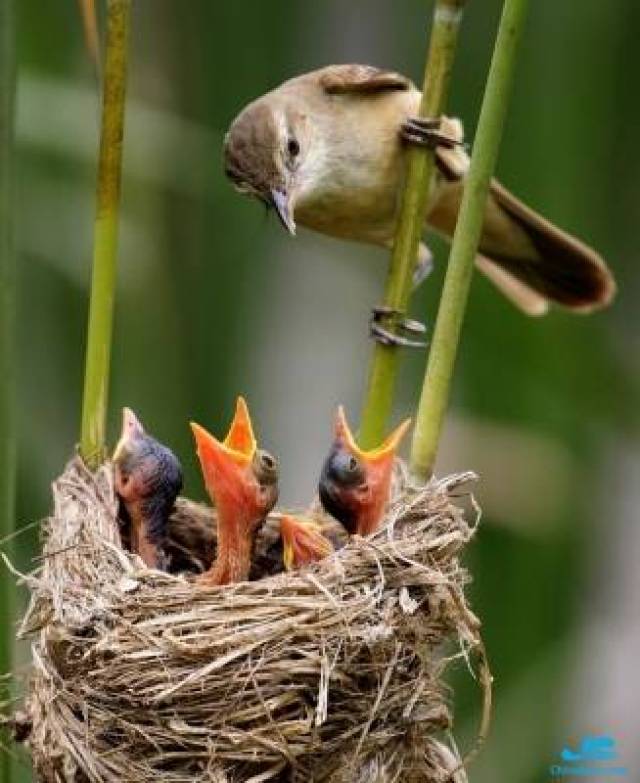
[214, 300]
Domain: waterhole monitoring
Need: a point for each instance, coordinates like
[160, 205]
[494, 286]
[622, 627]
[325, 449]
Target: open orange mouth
[239, 446]
[380, 453]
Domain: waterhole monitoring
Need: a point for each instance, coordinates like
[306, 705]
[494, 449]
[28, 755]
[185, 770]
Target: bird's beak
[283, 206]
[225, 464]
[131, 428]
[382, 454]
[303, 542]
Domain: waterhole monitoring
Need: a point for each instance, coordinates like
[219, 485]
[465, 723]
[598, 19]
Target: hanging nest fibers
[332, 673]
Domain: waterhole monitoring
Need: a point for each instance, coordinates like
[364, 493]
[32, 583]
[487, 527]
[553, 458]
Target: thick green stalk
[421, 166]
[7, 340]
[103, 282]
[437, 383]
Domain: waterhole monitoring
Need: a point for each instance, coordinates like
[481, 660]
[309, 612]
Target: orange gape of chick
[242, 482]
[355, 484]
[304, 541]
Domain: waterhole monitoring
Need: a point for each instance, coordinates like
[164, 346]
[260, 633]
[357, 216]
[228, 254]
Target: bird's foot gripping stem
[430, 133]
[384, 317]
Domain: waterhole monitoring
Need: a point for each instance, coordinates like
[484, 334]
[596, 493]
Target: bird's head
[146, 472]
[241, 479]
[269, 153]
[303, 542]
[355, 483]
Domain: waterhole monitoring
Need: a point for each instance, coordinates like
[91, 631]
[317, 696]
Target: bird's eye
[293, 147]
[265, 467]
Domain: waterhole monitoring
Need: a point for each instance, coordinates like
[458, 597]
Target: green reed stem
[103, 282]
[437, 382]
[383, 370]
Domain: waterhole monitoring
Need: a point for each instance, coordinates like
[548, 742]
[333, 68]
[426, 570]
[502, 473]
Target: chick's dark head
[148, 475]
[355, 483]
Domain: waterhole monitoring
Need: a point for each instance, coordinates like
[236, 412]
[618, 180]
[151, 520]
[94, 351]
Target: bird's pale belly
[359, 203]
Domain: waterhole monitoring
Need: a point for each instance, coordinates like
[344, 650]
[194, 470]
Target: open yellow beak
[223, 462]
[381, 453]
[240, 438]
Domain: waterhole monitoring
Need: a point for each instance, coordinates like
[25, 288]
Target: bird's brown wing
[343, 79]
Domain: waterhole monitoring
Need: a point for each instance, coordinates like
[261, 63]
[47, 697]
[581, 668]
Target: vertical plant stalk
[437, 382]
[103, 281]
[421, 166]
[7, 340]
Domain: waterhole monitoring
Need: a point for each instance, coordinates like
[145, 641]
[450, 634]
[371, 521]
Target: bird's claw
[426, 132]
[386, 336]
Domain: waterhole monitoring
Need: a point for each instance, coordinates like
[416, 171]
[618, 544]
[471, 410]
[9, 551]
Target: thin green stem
[103, 282]
[421, 166]
[7, 339]
[437, 383]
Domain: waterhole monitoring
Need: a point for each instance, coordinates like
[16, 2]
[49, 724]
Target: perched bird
[242, 482]
[326, 150]
[305, 541]
[355, 485]
[148, 478]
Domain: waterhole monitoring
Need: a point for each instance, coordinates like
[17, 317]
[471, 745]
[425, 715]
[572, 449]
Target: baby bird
[304, 541]
[355, 484]
[242, 482]
[148, 478]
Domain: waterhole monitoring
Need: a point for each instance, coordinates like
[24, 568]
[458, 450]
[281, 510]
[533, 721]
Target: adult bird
[148, 479]
[355, 485]
[242, 482]
[327, 151]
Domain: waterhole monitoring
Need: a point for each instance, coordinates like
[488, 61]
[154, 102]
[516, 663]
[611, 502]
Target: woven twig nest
[332, 673]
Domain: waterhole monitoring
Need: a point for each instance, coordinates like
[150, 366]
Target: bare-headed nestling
[327, 151]
[242, 481]
[148, 478]
[355, 484]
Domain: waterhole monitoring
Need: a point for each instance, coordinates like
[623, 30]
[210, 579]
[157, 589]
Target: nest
[333, 673]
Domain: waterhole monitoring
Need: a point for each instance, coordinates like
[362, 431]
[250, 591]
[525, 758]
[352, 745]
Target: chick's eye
[267, 461]
[346, 469]
[266, 467]
[293, 147]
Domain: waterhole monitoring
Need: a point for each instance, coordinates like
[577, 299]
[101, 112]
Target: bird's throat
[141, 539]
[235, 547]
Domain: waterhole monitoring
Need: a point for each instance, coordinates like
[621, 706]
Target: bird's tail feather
[527, 257]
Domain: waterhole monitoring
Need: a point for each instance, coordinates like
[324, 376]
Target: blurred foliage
[214, 300]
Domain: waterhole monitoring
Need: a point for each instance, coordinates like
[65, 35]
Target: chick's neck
[236, 536]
